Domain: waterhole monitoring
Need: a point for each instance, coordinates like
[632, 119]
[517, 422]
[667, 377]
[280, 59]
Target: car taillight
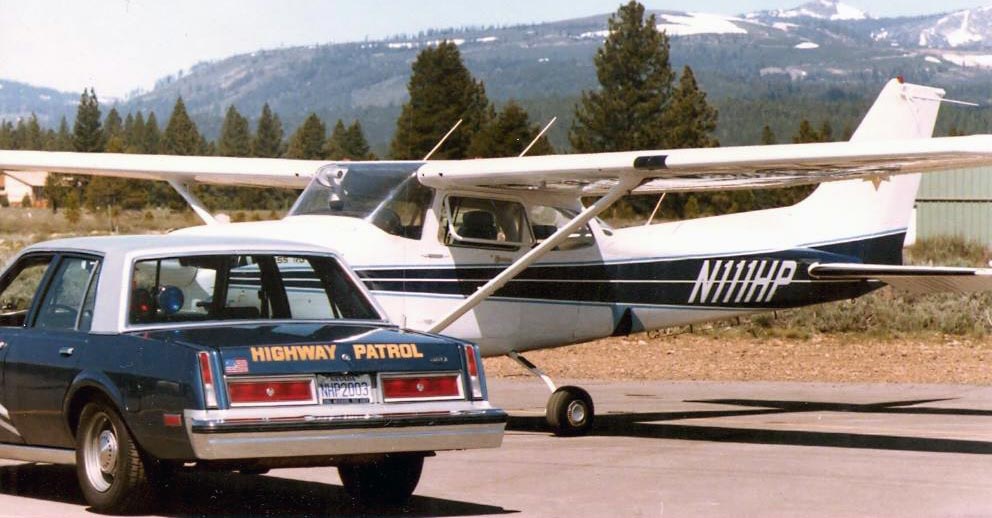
[271, 391]
[207, 379]
[472, 363]
[428, 386]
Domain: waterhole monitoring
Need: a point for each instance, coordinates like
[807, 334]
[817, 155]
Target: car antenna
[539, 135]
[445, 137]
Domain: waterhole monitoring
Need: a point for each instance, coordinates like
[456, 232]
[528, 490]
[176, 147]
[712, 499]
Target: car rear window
[244, 287]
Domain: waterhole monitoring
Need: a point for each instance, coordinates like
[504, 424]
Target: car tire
[570, 411]
[389, 480]
[112, 474]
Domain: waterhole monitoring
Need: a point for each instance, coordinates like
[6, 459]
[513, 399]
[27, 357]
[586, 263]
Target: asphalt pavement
[659, 449]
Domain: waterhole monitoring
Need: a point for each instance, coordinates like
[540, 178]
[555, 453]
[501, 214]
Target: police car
[135, 356]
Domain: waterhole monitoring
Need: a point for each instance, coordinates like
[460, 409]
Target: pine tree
[268, 135]
[113, 132]
[357, 144]
[347, 143]
[689, 120]
[135, 135]
[442, 91]
[181, 136]
[826, 131]
[28, 134]
[308, 140]
[87, 136]
[235, 138]
[806, 133]
[151, 137]
[635, 77]
[768, 136]
[508, 134]
[334, 148]
[6, 135]
[63, 139]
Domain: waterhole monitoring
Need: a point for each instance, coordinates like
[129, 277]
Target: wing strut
[194, 202]
[623, 187]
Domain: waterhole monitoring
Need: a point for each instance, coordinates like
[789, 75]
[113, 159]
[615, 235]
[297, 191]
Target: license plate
[335, 390]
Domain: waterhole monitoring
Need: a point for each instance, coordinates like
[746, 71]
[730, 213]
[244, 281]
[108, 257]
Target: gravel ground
[829, 358]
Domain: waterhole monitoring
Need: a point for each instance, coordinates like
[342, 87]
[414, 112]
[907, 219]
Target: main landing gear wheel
[570, 411]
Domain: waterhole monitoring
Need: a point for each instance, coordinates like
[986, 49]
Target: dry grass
[840, 357]
[20, 227]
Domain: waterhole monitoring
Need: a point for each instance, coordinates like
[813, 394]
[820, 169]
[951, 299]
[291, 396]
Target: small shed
[16, 185]
[956, 203]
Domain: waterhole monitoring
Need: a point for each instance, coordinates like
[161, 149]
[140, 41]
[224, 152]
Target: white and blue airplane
[503, 252]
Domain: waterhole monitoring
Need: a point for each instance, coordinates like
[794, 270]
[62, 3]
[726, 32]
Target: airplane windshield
[387, 195]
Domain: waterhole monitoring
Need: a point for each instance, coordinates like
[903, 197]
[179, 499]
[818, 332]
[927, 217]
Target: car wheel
[389, 480]
[111, 472]
[570, 411]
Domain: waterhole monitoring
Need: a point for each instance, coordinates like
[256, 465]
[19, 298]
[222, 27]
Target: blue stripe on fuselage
[769, 280]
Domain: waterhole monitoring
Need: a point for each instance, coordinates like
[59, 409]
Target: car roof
[152, 244]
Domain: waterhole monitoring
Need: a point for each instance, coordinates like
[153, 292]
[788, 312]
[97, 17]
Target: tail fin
[857, 208]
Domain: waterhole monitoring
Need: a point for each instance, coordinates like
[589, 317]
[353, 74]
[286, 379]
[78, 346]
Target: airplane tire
[570, 411]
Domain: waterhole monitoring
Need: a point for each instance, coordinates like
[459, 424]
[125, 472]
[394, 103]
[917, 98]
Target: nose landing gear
[570, 411]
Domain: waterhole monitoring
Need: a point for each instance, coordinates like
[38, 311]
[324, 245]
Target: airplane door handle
[66, 351]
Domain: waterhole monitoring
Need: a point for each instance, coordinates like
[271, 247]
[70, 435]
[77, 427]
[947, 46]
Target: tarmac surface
[659, 449]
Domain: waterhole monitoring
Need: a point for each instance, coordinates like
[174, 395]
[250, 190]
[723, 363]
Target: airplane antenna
[539, 135]
[656, 207]
[445, 137]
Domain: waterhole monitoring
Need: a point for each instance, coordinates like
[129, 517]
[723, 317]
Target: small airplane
[504, 253]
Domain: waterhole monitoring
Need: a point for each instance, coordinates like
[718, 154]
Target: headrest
[478, 218]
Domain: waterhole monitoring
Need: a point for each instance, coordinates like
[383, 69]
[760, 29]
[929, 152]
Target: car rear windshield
[244, 287]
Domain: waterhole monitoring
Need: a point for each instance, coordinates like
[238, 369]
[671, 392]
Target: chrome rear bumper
[220, 436]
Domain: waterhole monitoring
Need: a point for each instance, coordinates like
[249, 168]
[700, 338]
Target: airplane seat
[542, 232]
[478, 224]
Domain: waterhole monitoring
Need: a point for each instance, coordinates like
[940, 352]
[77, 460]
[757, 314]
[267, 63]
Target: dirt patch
[835, 357]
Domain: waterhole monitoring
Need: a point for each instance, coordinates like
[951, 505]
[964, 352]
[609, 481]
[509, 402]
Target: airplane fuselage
[604, 282]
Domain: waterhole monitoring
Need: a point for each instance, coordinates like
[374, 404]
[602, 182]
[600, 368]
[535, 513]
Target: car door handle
[67, 351]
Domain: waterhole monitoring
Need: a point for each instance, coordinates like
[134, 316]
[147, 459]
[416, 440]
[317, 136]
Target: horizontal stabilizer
[914, 279]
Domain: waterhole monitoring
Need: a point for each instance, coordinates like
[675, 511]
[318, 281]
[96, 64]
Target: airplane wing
[710, 169]
[914, 279]
[252, 172]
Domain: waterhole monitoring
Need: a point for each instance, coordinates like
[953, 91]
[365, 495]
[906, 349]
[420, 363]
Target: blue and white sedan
[133, 357]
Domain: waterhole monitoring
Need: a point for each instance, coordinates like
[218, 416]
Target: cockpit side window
[486, 222]
[387, 195]
[403, 212]
[545, 221]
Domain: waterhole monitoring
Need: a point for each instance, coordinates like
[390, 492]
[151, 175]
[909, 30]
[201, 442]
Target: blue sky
[119, 45]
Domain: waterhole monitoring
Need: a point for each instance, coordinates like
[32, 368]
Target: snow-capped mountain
[817, 9]
[959, 29]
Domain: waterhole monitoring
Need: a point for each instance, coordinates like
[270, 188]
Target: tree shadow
[235, 495]
[656, 425]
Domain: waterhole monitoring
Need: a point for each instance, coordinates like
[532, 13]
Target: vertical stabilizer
[881, 205]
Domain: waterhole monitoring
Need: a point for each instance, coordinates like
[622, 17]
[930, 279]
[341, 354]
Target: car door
[19, 286]
[42, 362]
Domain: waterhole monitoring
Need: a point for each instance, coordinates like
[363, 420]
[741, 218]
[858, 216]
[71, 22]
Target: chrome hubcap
[576, 413]
[100, 452]
[107, 451]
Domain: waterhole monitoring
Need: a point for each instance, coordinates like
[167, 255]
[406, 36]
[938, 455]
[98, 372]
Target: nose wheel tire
[389, 480]
[570, 411]
[111, 472]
